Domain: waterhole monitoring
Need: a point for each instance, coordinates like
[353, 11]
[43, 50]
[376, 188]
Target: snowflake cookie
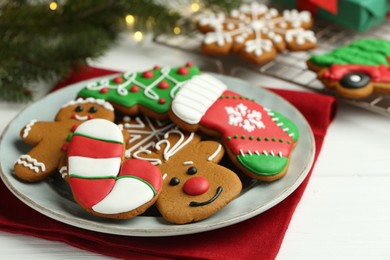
[256, 32]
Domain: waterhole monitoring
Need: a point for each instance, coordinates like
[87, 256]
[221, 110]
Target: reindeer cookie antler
[194, 185]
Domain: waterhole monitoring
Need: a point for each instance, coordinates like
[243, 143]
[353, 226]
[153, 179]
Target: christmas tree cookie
[356, 70]
[149, 92]
[258, 140]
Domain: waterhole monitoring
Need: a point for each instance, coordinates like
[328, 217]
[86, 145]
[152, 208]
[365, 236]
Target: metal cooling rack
[291, 66]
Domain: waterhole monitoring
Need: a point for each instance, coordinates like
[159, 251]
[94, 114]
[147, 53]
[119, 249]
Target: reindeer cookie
[99, 181]
[194, 185]
[50, 138]
[259, 141]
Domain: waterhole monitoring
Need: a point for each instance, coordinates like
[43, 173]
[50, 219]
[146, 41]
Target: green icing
[287, 123]
[370, 52]
[149, 94]
[265, 165]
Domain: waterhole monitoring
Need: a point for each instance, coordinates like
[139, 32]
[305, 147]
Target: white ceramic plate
[53, 198]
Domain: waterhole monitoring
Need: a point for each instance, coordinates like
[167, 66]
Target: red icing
[189, 64]
[104, 90]
[118, 80]
[156, 67]
[196, 186]
[88, 192]
[90, 117]
[65, 147]
[162, 101]
[243, 142]
[134, 89]
[74, 127]
[183, 71]
[163, 85]
[91, 148]
[143, 170]
[148, 74]
[379, 73]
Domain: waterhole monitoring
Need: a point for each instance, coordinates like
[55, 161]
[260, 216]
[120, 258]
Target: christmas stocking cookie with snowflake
[259, 141]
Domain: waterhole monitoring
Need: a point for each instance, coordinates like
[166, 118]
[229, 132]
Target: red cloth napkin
[258, 237]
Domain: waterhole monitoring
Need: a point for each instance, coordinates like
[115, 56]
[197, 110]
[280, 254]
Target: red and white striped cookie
[100, 182]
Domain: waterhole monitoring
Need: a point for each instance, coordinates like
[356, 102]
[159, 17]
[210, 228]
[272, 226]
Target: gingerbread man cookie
[258, 140]
[149, 92]
[99, 181]
[194, 185]
[50, 138]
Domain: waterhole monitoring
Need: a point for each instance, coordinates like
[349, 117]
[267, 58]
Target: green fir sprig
[37, 43]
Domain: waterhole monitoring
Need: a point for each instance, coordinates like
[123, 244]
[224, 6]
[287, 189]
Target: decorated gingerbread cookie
[357, 70]
[258, 140]
[256, 32]
[50, 138]
[99, 181]
[194, 185]
[144, 132]
[148, 92]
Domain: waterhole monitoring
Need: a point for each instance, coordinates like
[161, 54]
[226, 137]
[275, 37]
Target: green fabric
[358, 15]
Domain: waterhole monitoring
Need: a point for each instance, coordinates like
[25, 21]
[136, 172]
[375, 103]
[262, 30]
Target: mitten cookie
[149, 92]
[257, 139]
[194, 185]
[99, 183]
[49, 138]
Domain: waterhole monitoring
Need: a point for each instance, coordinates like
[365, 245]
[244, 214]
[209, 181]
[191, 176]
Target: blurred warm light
[53, 6]
[138, 36]
[176, 30]
[130, 19]
[195, 7]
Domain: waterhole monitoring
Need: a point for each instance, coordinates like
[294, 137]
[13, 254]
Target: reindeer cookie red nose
[196, 186]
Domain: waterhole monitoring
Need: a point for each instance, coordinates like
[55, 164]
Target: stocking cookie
[49, 138]
[259, 141]
[99, 181]
[149, 92]
[194, 185]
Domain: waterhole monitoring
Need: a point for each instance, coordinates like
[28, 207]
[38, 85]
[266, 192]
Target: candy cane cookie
[99, 181]
[258, 140]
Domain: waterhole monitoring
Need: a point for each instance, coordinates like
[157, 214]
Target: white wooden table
[345, 210]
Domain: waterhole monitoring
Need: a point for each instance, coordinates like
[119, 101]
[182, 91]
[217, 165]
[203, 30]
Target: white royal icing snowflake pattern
[259, 28]
[243, 117]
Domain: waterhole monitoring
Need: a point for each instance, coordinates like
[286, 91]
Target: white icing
[266, 25]
[188, 163]
[127, 194]
[63, 171]
[300, 36]
[215, 153]
[147, 137]
[153, 161]
[245, 118]
[170, 151]
[31, 163]
[196, 96]
[100, 102]
[100, 129]
[28, 127]
[94, 167]
[80, 118]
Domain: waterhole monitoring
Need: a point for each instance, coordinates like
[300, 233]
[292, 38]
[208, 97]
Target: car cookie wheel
[355, 85]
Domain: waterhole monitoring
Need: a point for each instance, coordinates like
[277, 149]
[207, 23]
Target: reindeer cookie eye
[174, 181]
[79, 109]
[92, 110]
[192, 170]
